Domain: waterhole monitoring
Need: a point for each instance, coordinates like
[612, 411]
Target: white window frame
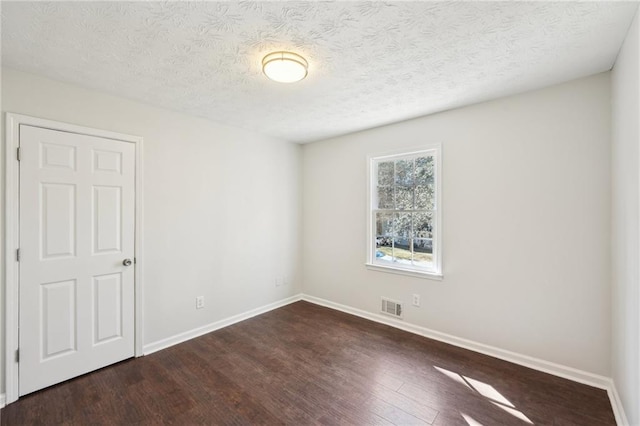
[372, 263]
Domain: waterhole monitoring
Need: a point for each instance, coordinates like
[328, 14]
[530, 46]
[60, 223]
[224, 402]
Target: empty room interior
[354, 213]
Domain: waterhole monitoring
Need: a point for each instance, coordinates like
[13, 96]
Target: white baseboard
[570, 373]
[188, 335]
[616, 405]
[3, 400]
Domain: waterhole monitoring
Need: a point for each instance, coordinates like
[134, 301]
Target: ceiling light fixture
[284, 67]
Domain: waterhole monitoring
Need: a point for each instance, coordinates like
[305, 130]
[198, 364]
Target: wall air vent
[391, 307]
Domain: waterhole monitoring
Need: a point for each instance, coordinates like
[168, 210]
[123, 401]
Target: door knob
[127, 262]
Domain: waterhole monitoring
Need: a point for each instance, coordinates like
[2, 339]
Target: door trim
[12, 237]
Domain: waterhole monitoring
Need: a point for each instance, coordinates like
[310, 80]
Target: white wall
[625, 94]
[526, 208]
[526, 216]
[222, 205]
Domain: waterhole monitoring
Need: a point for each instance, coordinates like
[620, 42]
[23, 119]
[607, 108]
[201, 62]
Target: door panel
[58, 301]
[107, 212]
[107, 161]
[77, 207]
[57, 156]
[57, 217]
[107, 308]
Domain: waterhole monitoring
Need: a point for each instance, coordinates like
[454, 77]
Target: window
[404, 212]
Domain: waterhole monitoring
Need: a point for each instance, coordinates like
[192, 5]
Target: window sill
[408, 272]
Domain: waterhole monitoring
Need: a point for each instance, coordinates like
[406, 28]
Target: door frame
[12, 236]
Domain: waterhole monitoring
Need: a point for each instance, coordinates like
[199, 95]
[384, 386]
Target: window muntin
[404, 201]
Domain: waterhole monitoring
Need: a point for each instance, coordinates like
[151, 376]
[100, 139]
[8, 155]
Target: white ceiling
[371, 63]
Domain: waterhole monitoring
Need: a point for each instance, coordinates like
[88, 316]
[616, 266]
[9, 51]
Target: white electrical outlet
[416, 300]
[199, 302]
[279, 281]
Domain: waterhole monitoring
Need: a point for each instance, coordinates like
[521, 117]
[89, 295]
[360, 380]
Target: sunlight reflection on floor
[470, 420]
[487, 391]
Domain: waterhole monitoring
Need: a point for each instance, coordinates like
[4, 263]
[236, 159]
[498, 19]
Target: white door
[77, 203]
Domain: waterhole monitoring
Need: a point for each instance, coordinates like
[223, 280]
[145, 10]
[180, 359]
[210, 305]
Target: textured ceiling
[370, 63]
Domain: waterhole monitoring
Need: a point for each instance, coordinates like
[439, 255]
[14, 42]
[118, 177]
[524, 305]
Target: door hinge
[134, 260]
[18, 153]
[17, 355]
[18, 255]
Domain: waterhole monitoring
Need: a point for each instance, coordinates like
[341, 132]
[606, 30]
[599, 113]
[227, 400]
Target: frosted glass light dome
[284, 67]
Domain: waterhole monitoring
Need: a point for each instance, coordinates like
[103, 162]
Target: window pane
[384, 224]
[402, 250]
[425, 197]
[385, 253]
[422, 252]
[404, 198]
[402, 238]
[404, 173]
[423, 225]
[385, 173]
[385, 197]
[384, 245]
[423, 245]
[384, 236]
[402, 225]
[424, 170]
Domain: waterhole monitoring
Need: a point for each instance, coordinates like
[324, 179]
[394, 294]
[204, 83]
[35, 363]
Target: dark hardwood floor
[304, 364]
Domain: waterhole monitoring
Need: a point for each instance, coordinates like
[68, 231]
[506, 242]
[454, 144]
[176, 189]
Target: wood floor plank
[408, 405]
[388, 381]
[303, 365]
[394, 414]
